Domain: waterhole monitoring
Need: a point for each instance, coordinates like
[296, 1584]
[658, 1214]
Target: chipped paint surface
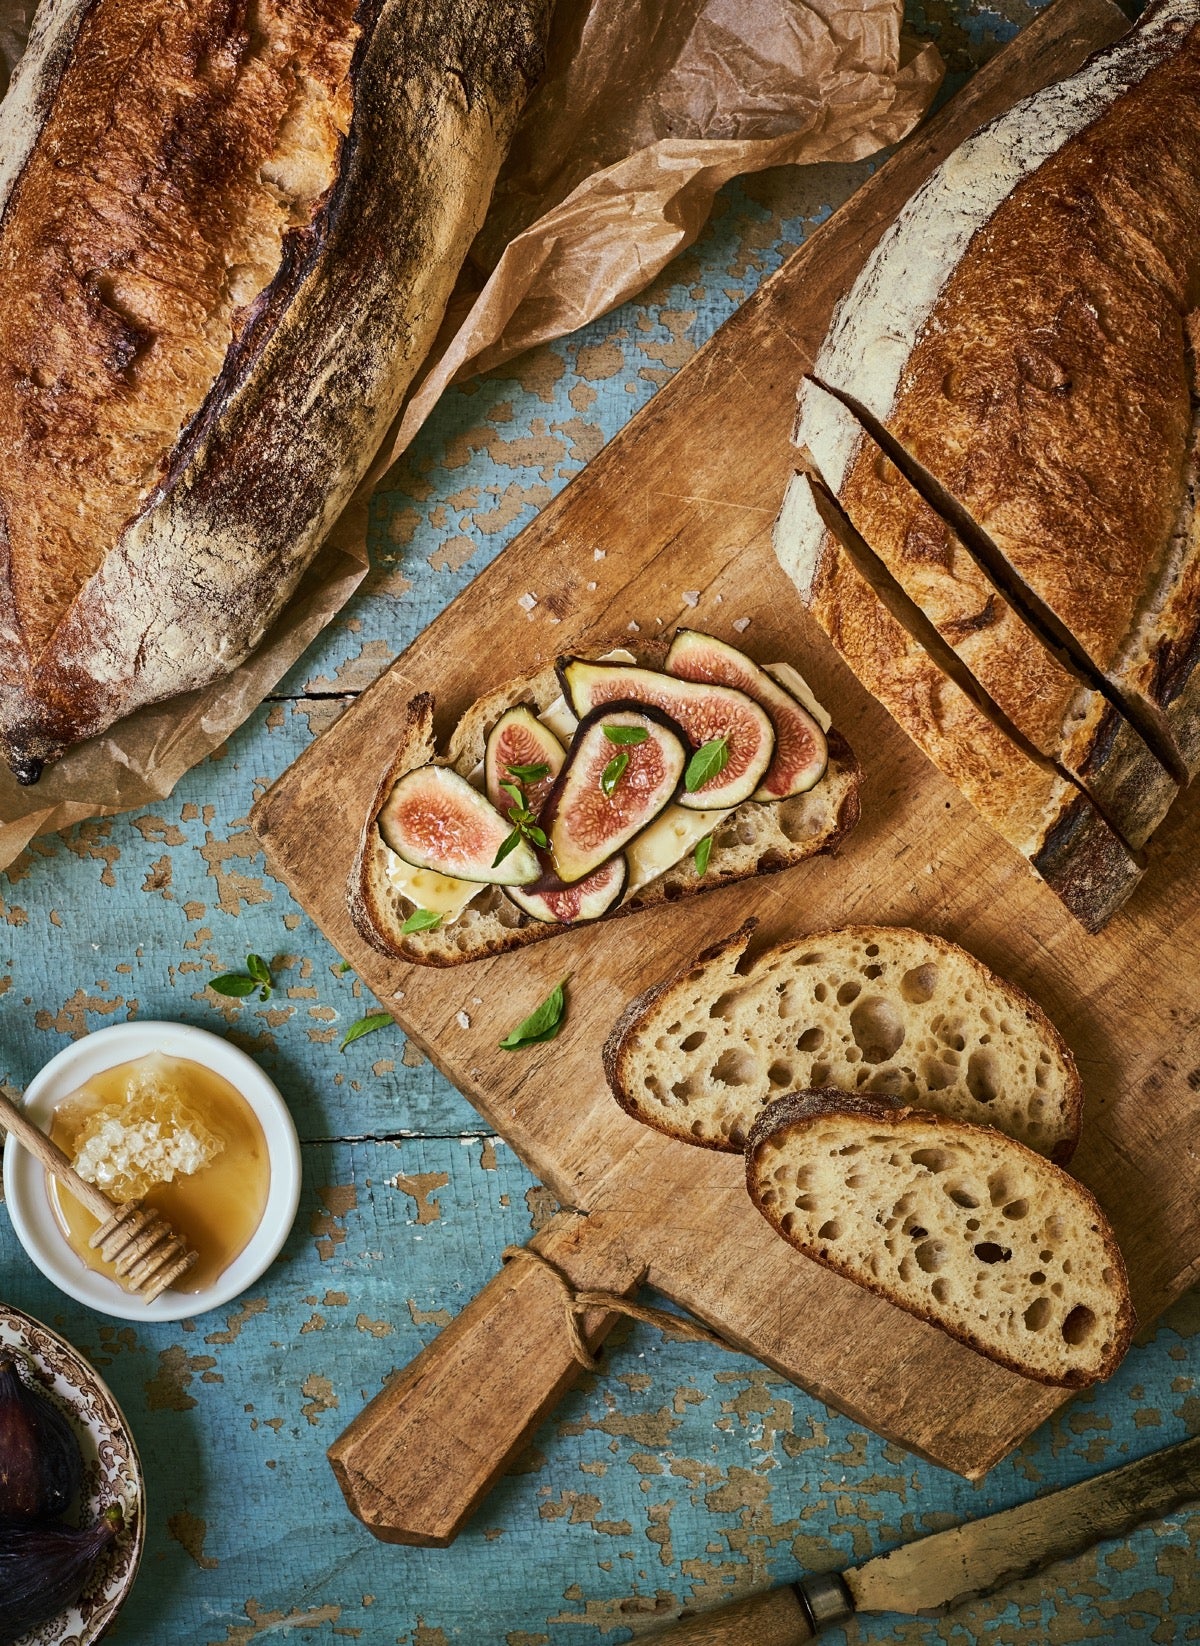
[673, 1476]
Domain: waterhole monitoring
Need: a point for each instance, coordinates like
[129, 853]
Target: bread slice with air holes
[754, 839]
[876, 1009]
[957, 1224]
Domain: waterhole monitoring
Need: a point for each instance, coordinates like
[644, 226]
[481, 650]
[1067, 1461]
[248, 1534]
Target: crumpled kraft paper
[645, 111]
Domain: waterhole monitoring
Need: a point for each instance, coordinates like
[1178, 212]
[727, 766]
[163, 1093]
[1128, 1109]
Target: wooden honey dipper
[138, 1241]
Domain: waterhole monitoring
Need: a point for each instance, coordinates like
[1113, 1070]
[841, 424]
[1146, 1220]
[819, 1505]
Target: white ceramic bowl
[29, 1205]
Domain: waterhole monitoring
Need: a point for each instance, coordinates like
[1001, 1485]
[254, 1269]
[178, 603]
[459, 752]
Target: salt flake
[463, 1021]
[691, 597]
[600, 554]
[634, 628]
[741, 624]
[527, 602]
[591, 586]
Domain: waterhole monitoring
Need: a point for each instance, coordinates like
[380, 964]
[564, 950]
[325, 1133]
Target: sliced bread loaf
[877, 1009]
[958, 1224]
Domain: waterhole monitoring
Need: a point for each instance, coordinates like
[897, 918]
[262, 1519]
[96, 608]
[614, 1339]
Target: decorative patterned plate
[112, 1472]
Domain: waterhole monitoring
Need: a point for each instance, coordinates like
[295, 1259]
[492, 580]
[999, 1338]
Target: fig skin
[801, 752]
[41, 1466]
[670, 743]
[45, 1566]
[703, 711]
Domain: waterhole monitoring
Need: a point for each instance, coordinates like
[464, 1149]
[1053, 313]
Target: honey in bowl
[180, 1138]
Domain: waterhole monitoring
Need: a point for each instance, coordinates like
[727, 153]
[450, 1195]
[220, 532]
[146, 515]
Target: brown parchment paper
[646, 109]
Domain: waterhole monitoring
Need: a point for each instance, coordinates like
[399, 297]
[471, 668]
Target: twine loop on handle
[577, 1303]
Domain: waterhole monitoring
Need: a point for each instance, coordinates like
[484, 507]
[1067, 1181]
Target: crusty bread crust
[799, 1111]
[633, 1048]
[1026, 800]
[212, 500]
[755, 839]
[1069, 722]
[1030, 309]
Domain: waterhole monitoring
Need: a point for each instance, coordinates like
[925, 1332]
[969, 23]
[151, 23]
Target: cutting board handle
[419, 1458]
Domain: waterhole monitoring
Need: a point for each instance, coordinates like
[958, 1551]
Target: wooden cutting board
[683, 499]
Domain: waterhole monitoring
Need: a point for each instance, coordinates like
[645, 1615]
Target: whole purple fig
[41, 1466]
[45, 1567]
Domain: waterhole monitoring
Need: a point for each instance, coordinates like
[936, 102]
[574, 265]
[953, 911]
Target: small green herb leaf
[344, 967]
[514, 793]
[508, 845]
[613, 773]
[536, 835]
[542, 1024]
[365, 1025]
[421, 920]
[529, 774]
[709, 759]
[703, 853]
[630, 735]
[258, 969]
[236, 984]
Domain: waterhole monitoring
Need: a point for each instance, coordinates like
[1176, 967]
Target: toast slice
[1028, 800]
[868, 1009]
[957, 1224]
[1028, 678]
[754, 839]
[1024, 332]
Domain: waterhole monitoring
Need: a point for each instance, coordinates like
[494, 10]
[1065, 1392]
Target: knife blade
[946, 1569]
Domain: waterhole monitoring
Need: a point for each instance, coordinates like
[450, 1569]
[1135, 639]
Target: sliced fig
[434, 819]
[706, 713]
[611, 788]
[519, 740]
[549, 900]
[801, 753]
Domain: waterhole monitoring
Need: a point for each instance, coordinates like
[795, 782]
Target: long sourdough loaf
[227, 236]
[754, 839]
[1024, 331]
[1030, 802]
[1067, 720]
[865, 1009]
[957, 1224]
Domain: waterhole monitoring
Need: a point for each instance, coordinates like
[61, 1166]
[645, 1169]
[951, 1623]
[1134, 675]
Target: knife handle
[780, 1617]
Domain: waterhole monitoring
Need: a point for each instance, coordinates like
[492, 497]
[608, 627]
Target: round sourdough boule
[959, 1225]
[872, 1009]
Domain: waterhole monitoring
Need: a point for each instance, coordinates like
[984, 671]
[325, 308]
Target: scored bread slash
[876, 1009]
[655, 863]
[955, 1223]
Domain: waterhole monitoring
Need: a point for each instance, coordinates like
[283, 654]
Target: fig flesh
[45, 1567]
[517, 743]
[41, 1466]
[801, 753]
[434, 819]
[611, 788]
[706, 713]
[550, 901]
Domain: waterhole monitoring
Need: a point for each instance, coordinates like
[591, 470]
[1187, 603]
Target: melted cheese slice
[673, 834]
[439, 893]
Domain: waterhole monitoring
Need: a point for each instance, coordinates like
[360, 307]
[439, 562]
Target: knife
[942, 1571]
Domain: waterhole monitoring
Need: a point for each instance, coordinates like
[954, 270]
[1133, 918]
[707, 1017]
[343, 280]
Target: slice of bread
[753, 839]
[958, 1224]
[877, 1009]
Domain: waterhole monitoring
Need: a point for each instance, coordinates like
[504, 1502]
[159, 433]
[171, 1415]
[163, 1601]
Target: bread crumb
[599, 554]
[527, 602]
[691, 597]
[463, 1021]
[634, 628]
[741, 624]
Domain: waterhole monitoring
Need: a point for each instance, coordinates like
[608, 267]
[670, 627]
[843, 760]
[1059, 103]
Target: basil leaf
[709, 759]
[506, 846]
[613, 773]
[529, 774]
[631, 735]
[514, 793]
[232, 983]
[537, 835]
[542, 1024]
[365, 1025]
[344, 967]
[258, 969]
[421, 920]
[703, 853]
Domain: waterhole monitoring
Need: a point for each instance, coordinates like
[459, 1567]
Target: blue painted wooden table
[676, 1474]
